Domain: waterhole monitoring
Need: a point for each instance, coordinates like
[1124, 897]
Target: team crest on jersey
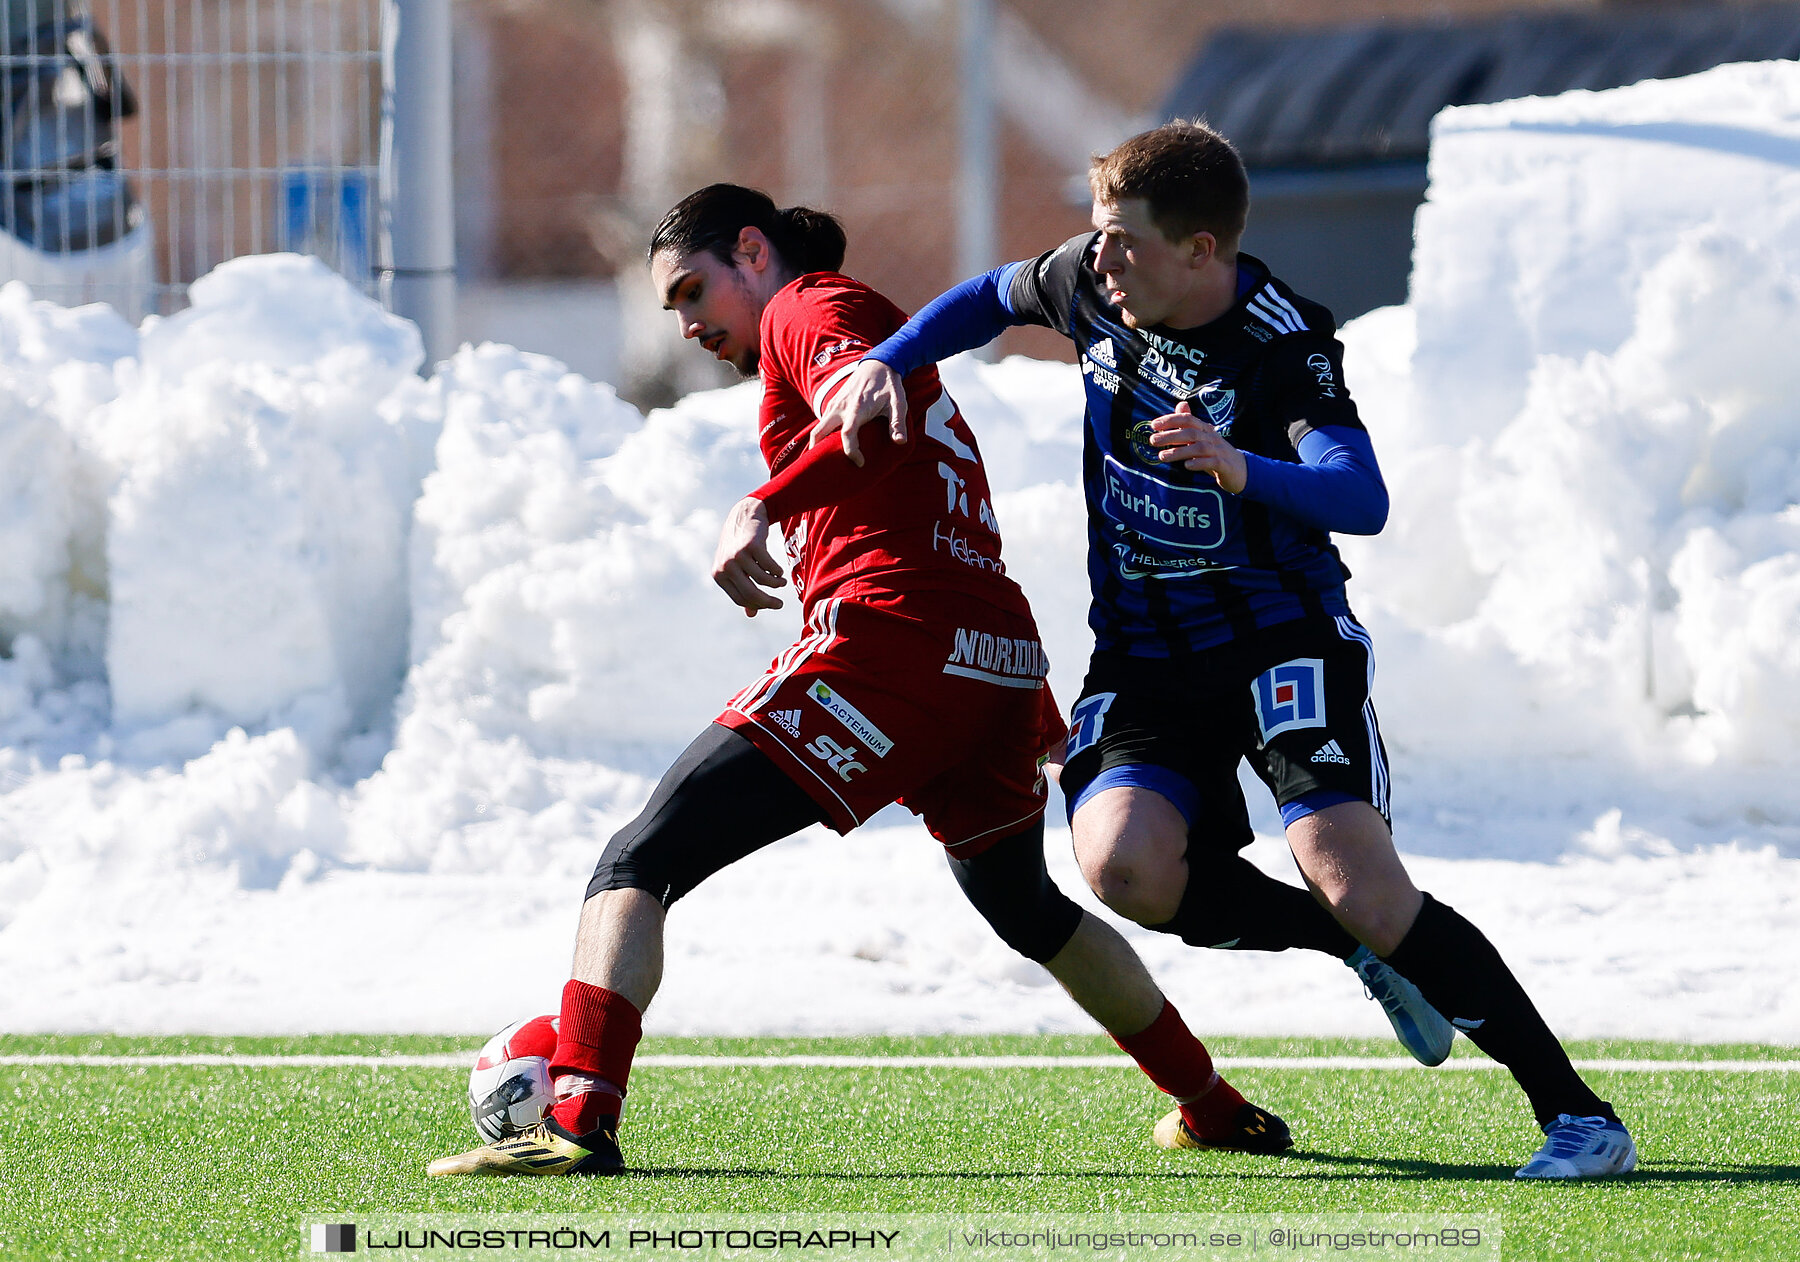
[1290, 696]
[1220, 404]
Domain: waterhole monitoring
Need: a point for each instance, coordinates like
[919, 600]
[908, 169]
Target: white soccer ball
[510, 1088]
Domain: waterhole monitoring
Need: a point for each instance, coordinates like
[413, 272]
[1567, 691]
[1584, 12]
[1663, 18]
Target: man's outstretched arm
[970, 315]
[742, 562]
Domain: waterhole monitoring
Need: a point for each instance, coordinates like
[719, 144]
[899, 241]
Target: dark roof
[1367, 92]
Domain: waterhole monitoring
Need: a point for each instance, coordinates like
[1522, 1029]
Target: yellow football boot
[544, 1149]
[1253, 1130]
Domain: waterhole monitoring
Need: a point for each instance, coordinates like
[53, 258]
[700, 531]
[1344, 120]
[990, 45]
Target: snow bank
[1593, 442]
[321, 686]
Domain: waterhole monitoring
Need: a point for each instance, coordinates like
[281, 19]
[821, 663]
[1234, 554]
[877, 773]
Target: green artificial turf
[229, 1161]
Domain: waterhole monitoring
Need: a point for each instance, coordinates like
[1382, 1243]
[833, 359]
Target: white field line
[463, 1060]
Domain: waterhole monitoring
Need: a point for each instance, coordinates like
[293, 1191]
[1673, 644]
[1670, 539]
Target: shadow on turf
[1647, 1172]
[1389, 1168]
[1397, 1170]
[1700, 1172]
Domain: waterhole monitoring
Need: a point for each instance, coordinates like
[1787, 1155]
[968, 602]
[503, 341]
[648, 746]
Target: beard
[752, 360]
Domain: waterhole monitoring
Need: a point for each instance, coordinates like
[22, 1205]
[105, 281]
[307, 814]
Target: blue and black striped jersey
[1177, 564]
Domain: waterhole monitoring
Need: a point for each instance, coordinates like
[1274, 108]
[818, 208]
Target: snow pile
[322, 686]
[567, 637]
[1594, 449]
[258, 514]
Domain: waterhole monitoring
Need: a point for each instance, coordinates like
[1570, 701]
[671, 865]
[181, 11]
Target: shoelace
[1379, 993]
[1570, 1134]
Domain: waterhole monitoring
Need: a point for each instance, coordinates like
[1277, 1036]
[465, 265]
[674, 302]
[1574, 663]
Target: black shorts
[1295, 702]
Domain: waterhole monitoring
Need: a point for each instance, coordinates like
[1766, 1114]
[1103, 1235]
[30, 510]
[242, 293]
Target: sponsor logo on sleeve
[829, 353]
[852, 718]
[1290, 696]
[1321, 371]
[787, 720]
[1010, 661]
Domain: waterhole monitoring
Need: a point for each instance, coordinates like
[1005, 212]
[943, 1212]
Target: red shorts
[931, 699]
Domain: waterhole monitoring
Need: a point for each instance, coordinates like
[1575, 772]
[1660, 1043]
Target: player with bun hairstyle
[919, 678]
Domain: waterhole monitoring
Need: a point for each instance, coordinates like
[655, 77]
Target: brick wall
[886, 76]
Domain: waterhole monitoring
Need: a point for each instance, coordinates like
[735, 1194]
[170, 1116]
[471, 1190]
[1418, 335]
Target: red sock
[1177, 1062]
[596, 1039]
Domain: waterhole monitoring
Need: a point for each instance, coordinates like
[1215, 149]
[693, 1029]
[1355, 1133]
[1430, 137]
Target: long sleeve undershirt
[1337, 485]
[823, 474]
[960, 319]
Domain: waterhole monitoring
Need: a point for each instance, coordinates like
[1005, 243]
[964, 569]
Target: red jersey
[914, 517]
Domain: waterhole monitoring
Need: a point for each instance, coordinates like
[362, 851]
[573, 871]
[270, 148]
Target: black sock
[1233, 904]
[1461, 975]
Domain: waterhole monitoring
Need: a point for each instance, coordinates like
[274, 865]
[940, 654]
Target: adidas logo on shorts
[787, 720]
[1330, 752]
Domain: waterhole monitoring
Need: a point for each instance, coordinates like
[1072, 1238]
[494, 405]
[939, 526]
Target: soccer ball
[510, 1088]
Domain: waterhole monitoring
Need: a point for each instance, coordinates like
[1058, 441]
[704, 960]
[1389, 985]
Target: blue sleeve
[973, 314]
[1336, 486]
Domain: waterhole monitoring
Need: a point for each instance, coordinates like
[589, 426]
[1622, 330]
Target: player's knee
[1379, 918]
[641, 858]
[1136, 877]
[1133, 883]
[1140, 894]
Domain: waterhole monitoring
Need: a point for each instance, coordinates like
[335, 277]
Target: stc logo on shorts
[840, 758]
[835, 705]
[1291, 696]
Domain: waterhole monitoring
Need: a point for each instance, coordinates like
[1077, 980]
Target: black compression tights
[723, 799]
[1010, 887]
[1231, 903]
